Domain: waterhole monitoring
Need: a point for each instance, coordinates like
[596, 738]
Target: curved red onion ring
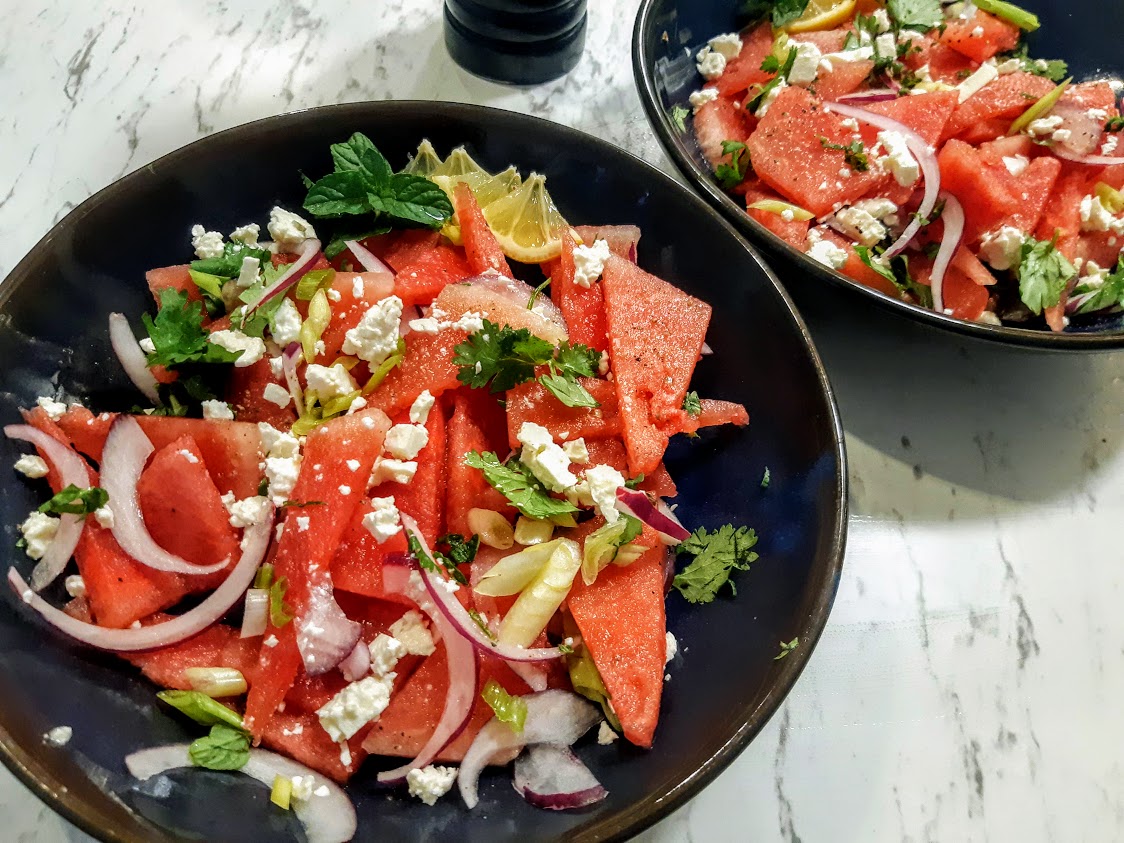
[637, 504]
[552, 777]
[357, 663]
[72, 471]
[1091, 160]
[325, 635]
[554, 716]
[926, 156]
[256, 613]
[217, 604]
[326, 819]
[367, 258]
[873, 95]
[310, 248]
[462, 622]
[953, 217]
[463, 675]
[131, 356]
[126, 450]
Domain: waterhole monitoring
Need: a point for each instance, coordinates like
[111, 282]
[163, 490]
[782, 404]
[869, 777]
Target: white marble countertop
[968, 684]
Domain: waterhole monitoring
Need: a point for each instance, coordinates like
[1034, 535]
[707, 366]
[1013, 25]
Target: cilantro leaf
[732, 174]
[509, 709]
[771, 64]
[854, 154]
[223, 749]
[460, 551]
[1043, 273]
[921, 15]
[178, 335]
[577, 360]
[679, 116]
[500, 357]
[75, 501]
[229, 264]
[766, 478]
[1109, 294]
[780, 11]
[201, 708]
[717, 555]
[569, 392]
[782, 74]
[692, 404]
[634, 482]
[515, 482]
[1114, 124]
[435, 565]
[897, 273]
[360, 155]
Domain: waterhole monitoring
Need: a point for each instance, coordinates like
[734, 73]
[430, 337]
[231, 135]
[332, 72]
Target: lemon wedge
[526, 223]
[485, 186]
[822, 14]
[459, 163]
[425, 161]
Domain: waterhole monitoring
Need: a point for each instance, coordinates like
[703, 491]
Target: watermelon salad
[915, 147]
[397, 493]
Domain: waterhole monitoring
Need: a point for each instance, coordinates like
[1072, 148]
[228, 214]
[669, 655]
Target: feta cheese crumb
[355, 706]
[881, 209]
[54, 409]
[1016, 164]
[385, 651]
[770, 98]
[104, 516]
[302, 523]
[1000, 249]
[218, 410]
[824, 251]
[285, 324]
[672, 648]
[302, 787]
[271, 641]
[589, 262]
[1110, 144]
[248, 273]
[1094, 215]
[984, 75]
[728, 44]
[58, 736]
[604, 480]
[281, 474]
[419, 410]
[546, 460]
[75, 586]
[207, 244]
[431, 783]
[710, 63]
[898, 159]
[248, 512]
[410, 630]
[32, 465]
[288, 230]
[701, 97]
[805, 65]
[344, 490]
[382, 521]
[860, 226]
[250, 349]
[277, 394]
[405, 441]
[1044, 127]
[605, 733]
[390, 470]
[329, 382]
[1008, 67]
[247, 235]
[576, 451]
[376, 336]
[39, 531]
[147, 345]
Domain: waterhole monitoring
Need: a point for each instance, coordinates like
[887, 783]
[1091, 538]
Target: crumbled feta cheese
[419, 410]
[390, 470]
[218, 410]
[898, 159]
[59, 736]
[605, 733]
[147, 345]
[1016, 164]
[576, 451]
[276, 394]
[589, 262]
[207, 244]
[288, 230]
[770, 98]
[1110, 144]
[344, 490]
[54, 409]
[358, 287]
[1006, 68]
[886, 46]
[410, 629]
[285, 324]
[302, 523]
[1000, 249]
[248, 273]
[355, 706]
[248, 512]
[1044, 127]
[247, 235]
[728, 44]
[329, 382]
[281, 474]
[271, 641]
[978, 32]
[104, 516]
[250, 349]
[984, 75]
[1096, 217]
[710, 63]
[187, 455]
[672, 647]
[881, 20]
[546, 460]
[357, 404]
[604, 480]
[376, 336]
[860, 226]
[881, 209]
[31, 465]
[701, 97]
[788, 215]
[829, 60]
[405, 441]
[75, 585]
[333, 295]
[805, 65]
[382, 521]
[38, 531]
[824, 251]
[385, 652]
[430, 783]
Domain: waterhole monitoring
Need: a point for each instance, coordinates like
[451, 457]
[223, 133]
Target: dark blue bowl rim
[825, 572]
[642, 64]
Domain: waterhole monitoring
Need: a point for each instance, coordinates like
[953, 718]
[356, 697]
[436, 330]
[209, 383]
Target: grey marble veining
[967, 687]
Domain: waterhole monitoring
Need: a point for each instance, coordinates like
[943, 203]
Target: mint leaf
[75, 501]
[359, 154]
[223, 749]
[460, 551]
[717, 555]
[437, 563]
[515, 482]
[508, 709]
[178, 335]
[921, 15]
[201, 708]
[338, 194]
[1043, 273]
[413, 199]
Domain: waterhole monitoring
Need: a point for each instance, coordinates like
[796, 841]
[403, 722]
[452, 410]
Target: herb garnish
[515, 482]
[732, 174]
[787, 648]
[854, 154]
[692, 404]
[75, 501]
[1043, 273]
[717, 555]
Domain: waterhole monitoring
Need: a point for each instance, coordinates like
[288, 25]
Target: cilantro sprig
[780, 12]
[75, 501]
[1109, 294]
[503, 357]
[1043, 273]
[732, 174]
[177, 333]
[782, 74]
[515, 482]
[437, 563]
[854, 154]
[919, 15]
[717, 555]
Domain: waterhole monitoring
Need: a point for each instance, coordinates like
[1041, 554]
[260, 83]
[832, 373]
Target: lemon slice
[459, 163]
[485, 186]
[822, 14]
[425, 161]
[526, 223]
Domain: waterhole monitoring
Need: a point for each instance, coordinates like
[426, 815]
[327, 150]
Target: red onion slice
[256, 613]
[357, 663]
[457, 615]
[290, 359]
[639, 505]
[463, 675]
[953, 216]
[325, 635]
[367, 259]
[557, 717]
[552, 777]
[305, 258]
[72, 471]
[132, 357]
[217, 604]
[327, 818]
[123, 457]
[926, 156]
[869, 96]
[1091, 160]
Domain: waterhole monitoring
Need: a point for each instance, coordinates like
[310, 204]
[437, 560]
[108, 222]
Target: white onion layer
[132, 357]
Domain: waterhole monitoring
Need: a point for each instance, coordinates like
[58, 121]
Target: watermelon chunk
[358, 562]
[1062, 214]
[945, 64]
[480, 244]
[245, 392]
[793, 232]
[419, 282]
[300, 736]
[86, 431]
[622, 239]
[962, 296]
[1032, 189]
[656, 336]
[423, 498]
[1005, 98]
[611, 452]
[622, 622]
[583, 308]
[350, 308]
[532, 402]
[217, 646]
[231, 450]
[505, 302]
[843, 78]
[984, 188]
[176, 277]
[428, 364]
[745, 68]
[981, 36]
[477, 424]
[717, 121]
[399, 249]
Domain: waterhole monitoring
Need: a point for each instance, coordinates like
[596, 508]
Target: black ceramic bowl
[725, 685]
[1085, 33]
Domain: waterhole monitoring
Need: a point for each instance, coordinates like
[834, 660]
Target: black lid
[522, 43]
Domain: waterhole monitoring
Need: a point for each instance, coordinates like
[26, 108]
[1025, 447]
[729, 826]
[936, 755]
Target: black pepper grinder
[517, 42]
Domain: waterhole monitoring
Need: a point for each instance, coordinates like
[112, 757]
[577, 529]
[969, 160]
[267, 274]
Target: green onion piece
[1040, 108]
[385, 367]
[1010, 12]
[264, 577]
[339, 404]
[585, 677]
[312, 282]
[282, 791]
[319, 315]
[279, 613]
[509, 709]
[208, 283]
[775, 206]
